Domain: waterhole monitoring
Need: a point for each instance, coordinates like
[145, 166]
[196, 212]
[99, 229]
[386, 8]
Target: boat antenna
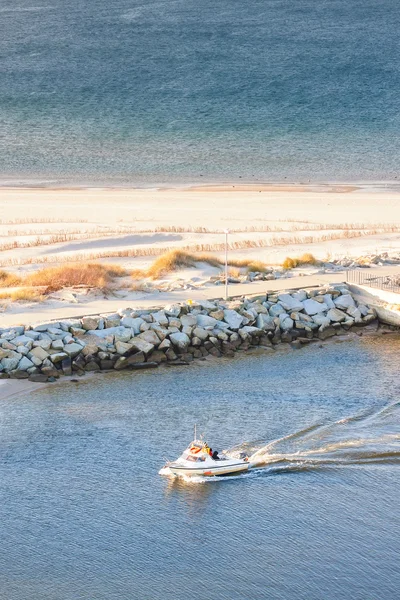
[195, 432]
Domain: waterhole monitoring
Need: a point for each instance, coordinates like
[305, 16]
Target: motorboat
[198, 460]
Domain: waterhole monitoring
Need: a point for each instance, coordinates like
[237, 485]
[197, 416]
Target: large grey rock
[328, 301]
[4, 353]
[321, 319]
[233, 319]
[300, 295]
[363, 310]
[123, 348]
[336, 315]
[311, 307]
[112, 320]
[11, 362]
[34, 335]
[201, 333]
[290, 304]
[354, 312]
[57, 345]
[161, 318]
[191, 321]
[25, 364]
[38, 353]
[344, 302]
[142, 346]
[124, 334]
[276, 310]
[206, 322]
[286, 323]
[180, 340]
[23, 339]
[58, 357]
[44, 326]
[132, 323]
[172, 310]
[265, 322]
[151, 337]
[45, 344]
[165, 344]
[72, 349]
[89, 323]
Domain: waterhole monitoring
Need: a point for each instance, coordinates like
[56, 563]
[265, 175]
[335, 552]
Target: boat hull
[213, 471]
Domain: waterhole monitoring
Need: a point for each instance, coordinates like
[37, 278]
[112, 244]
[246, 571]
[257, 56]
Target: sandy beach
[44, 227]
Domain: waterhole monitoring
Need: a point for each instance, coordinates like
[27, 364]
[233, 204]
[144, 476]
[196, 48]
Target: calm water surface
[169, 90]
[85, 515]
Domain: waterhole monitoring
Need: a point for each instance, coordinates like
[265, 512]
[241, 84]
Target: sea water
[144, 92]
[85, 514]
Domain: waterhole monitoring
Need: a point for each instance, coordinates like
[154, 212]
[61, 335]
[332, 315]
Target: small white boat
[197, 460]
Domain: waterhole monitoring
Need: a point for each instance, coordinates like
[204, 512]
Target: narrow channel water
[85, 515]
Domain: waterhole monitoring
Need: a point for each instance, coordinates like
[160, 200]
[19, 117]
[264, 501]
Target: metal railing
[391, 283]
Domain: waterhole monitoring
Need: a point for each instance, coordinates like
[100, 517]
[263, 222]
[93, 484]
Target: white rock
[289, 303]
[336, 315]
[311, 307]
[344, 302]
[233, 319]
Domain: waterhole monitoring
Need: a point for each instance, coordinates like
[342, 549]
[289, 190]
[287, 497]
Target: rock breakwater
[177, 333]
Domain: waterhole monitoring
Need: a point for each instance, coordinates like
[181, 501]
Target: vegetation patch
[305, 259]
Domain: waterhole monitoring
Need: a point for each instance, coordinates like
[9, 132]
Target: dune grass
[305, 259]
[88, 274]
[9, 279]
[174, 260]
[180, 259]
[23, 295]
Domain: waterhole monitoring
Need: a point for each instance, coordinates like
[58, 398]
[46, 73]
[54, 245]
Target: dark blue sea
[133, 91]
[85, 515]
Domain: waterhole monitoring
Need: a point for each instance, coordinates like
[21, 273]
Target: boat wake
[370, 437]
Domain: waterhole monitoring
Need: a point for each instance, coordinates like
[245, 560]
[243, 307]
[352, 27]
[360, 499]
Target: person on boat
[214, 455]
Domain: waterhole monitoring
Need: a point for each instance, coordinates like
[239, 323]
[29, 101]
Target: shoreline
[200, 184]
